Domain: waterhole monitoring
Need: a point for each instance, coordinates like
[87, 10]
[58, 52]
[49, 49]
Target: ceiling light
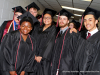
[74, 15]
[77, 15]
[71, 8]
[87, 0]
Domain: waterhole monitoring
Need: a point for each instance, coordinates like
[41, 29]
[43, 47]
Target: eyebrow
[89, 18]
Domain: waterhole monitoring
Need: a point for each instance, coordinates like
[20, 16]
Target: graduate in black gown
[64, 46]
[17, 52]
[89, 61]
[11, 25]
[45, 38]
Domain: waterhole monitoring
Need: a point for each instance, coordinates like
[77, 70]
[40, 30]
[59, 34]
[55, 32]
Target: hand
[12, 72]
[38, 58]
[73, 30]
[22, 73]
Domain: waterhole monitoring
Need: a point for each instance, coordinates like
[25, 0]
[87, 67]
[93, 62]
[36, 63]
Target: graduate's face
[33, 11]
[90, 22]
[71, 25]
[25, 27]
[47, 19]
[15, 17]
[63, 21]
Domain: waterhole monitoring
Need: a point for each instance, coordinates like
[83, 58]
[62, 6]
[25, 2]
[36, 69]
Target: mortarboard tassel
[41, 20]
[57, 20]
[81, 23]
[27, 8]
[13, 19]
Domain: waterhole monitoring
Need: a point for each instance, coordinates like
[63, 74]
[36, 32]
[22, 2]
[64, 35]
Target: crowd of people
[35, 45]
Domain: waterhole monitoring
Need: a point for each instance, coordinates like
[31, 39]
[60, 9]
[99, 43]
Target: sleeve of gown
[30, 65]
[75, 41]
[6, 48]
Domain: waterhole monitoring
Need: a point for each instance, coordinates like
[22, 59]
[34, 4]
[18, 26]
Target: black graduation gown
[2, 28]
[66, 62]
[90, 61]
[8, 53]
[45, 42]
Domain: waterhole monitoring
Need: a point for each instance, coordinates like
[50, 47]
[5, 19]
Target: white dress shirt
[93, 32]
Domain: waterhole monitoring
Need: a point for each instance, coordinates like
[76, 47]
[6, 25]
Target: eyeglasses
[16, 15]
[48, 18]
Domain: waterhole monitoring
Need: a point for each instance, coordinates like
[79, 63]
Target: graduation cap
[19, 9]
[65, 13]
[39, 16]
[49, 11]
[32, 5]
[92, 11]
[28, 14]
[74, 21]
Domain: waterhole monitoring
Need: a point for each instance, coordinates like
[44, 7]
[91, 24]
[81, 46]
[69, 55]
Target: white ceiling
[56, 5]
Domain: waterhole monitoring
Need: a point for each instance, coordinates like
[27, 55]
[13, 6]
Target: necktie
[16, 27]
[61, 32]
[88, 35]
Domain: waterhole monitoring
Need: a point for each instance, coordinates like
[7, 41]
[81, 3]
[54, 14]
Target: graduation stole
[7, 28]
[61, 50]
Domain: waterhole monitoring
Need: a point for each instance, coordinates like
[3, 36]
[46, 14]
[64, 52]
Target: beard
[62, 25]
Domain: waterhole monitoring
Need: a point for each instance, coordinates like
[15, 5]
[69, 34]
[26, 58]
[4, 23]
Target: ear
[96, 21]
[68, 21]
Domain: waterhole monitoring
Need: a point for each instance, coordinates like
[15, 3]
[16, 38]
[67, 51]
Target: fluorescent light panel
[87, 0]
[71, 8]
[77, 15]
[74, 15]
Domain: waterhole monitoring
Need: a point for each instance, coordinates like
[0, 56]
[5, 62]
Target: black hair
[92, 13]
[27, 19]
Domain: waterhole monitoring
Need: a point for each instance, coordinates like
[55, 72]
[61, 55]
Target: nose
[25, 27]
[61, 20]
[87, 22]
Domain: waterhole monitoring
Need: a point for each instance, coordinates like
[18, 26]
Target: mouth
[25, 31]
[61, 23]
[87, 26]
